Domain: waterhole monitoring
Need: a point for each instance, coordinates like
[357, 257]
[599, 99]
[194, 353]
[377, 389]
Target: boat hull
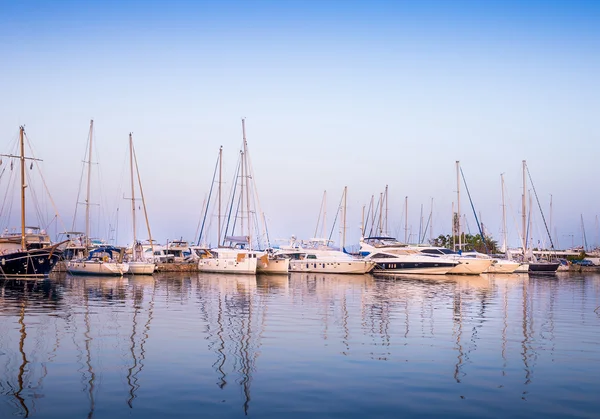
[30, 263]
[141, 268]
[470, 266]
[543, 268]
[97, 268]
[247, 266]
[522, 269]
[273, 266]
[318, 266]
[503, 267]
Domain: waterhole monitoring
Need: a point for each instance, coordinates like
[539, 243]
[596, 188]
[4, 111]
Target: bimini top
[105, 249]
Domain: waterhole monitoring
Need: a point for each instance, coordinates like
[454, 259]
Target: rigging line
[422, 240]
[364, 228]
[267, 232]
[208, 201]
[231, 199]
[320, 212]
[37, 165]
[237, 212]
[87, 144]
[373, 223]
[474, 212]
[540, 206]
[256, 197]
[335, 219]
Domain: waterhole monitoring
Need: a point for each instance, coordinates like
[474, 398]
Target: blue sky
[357, 94]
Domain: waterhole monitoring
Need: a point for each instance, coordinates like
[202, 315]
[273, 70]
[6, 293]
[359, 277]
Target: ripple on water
[326, 345]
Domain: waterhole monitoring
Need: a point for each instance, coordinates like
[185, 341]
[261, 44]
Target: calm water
[182, 346]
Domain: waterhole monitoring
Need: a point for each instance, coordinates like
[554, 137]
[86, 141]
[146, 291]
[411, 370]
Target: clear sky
[336, 93]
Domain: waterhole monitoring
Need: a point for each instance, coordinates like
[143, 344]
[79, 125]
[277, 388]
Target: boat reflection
[103, 327]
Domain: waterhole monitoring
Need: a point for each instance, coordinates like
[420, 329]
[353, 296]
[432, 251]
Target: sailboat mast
[524, 207]
[137, 169]
[381, 214]
[344, 219]
[247, 184]
[431, 222]
[132, 194]
[23, 185]
[386, 210]
[421, 225]
[406, 220]
[324, 231]
[362, 223]
[220, 186]
[504, 233]
[458, 203]
[89, 183]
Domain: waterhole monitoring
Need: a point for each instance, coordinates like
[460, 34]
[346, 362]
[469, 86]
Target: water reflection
[122, 344]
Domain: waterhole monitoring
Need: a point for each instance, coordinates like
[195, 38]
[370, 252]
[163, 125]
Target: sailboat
[99, 260]
[237, 258]
[138, 265]
[534, 266]
[28, 254]
[503, 266]
[235, 254]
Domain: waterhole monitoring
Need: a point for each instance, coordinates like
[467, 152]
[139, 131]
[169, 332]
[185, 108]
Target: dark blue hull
[32, 263]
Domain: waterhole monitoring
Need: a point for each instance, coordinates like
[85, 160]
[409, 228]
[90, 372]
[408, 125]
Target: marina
[324, 210]
[174, 344]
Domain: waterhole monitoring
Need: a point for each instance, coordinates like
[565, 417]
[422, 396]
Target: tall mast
[524, 207]
[420, 225]
[550, 228]
[324, 231]
[458, 203]
[381, 214]
[504, 233]
[132, 195]
[23, 186]
[373, 213]
[89, 182]
[247, 184]
[431, 222]
[362, 223]
[386, 210]
[137, 169]
[344, 219]
[220, 176]
[406, 220]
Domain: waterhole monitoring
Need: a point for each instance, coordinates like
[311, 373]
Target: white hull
[470, 266]
[141, 268]
[97, 268]
[228, 266]
[273, 266]
[319, 266]
[503, 267]
[522, 269]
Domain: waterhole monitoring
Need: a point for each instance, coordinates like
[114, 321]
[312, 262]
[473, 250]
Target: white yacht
[102, 260]
[228, 260]
[270, 262]
[182, 251]
[467, 265]
[498, 266]
[394, 262]
[323, 259]
[464, 265]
